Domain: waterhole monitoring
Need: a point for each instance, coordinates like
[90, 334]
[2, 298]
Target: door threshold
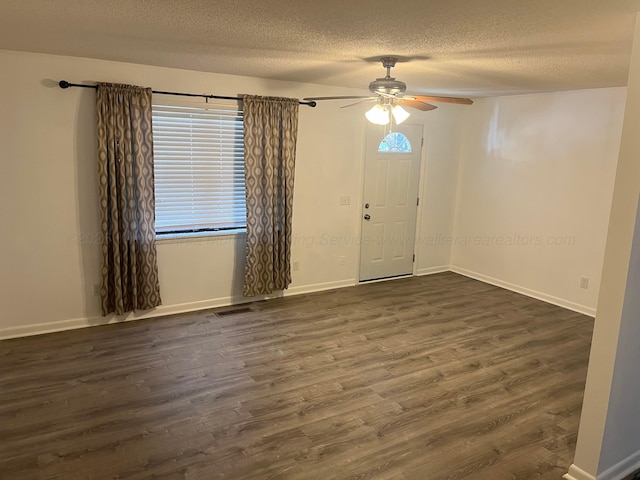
[384, 279]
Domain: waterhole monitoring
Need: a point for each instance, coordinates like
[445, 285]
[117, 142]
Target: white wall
[49, 208]
[608, 446]
[534, 193]
[437, 204]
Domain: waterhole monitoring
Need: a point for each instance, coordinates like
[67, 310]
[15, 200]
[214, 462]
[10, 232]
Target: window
[199, 168]
[395, 142]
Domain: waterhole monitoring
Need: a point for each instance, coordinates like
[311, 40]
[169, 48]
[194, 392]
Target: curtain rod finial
[63, 84]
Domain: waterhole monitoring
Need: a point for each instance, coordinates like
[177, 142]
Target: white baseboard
[431, 270]
[576, 473]
[83, 322]
[70, 324]
[319, 287]
[621, 469]
[48, 327]
[162, 310]
[591, 312]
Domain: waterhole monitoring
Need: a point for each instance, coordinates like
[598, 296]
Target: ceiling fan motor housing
[388, 85]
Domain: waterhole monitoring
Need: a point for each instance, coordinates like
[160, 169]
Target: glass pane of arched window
[395, 142]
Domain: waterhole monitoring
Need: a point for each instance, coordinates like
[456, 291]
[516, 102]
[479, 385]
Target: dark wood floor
[428, 378]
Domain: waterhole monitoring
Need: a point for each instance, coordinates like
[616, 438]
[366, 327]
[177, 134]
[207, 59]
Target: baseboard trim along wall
[591, 312]
[576, 473]
[319, 287]
[620, 470]
[71, 324]
[163, 310]
[624, 467]
[431, 270]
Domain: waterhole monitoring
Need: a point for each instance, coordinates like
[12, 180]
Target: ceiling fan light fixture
[378, 114]
[399, 114]
[386, 91]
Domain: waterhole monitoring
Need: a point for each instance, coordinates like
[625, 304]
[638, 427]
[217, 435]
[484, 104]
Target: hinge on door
[418, 201]
[414, 257]
[422, 142]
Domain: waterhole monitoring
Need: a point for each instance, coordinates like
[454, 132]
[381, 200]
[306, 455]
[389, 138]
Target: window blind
[199, 168]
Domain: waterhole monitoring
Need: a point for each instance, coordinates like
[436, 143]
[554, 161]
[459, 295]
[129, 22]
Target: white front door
[392, 170]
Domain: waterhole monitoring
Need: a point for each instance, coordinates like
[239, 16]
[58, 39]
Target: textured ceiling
[467, 47]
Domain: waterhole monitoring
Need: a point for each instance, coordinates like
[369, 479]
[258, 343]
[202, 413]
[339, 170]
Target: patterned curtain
[270, 132]
[127, 202]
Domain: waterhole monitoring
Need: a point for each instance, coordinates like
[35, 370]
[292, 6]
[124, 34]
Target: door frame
[421, 181]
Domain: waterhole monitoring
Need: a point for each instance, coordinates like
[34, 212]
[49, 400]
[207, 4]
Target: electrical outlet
[96, 289]
[295, 266]
[584, 282]
[344, 200]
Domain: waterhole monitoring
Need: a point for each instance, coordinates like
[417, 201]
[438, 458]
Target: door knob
[367, 217]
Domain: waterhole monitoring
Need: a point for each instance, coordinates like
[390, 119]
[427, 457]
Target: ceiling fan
[389, 95]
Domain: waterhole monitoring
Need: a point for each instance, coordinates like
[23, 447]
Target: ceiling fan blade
[425, 107]
[427, 98]
[309, 99]
[368, 100]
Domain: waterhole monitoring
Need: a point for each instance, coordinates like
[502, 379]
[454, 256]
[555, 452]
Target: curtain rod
[65, 84]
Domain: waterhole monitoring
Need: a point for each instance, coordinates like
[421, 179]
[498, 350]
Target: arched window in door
[395, 142]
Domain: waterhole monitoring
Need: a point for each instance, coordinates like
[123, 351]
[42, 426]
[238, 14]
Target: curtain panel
[270, 133]
[127, 202]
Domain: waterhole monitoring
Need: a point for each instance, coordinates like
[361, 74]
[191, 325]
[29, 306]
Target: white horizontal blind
[199, 168]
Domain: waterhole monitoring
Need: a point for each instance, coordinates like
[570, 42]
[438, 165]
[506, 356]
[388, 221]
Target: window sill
[198, 236]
